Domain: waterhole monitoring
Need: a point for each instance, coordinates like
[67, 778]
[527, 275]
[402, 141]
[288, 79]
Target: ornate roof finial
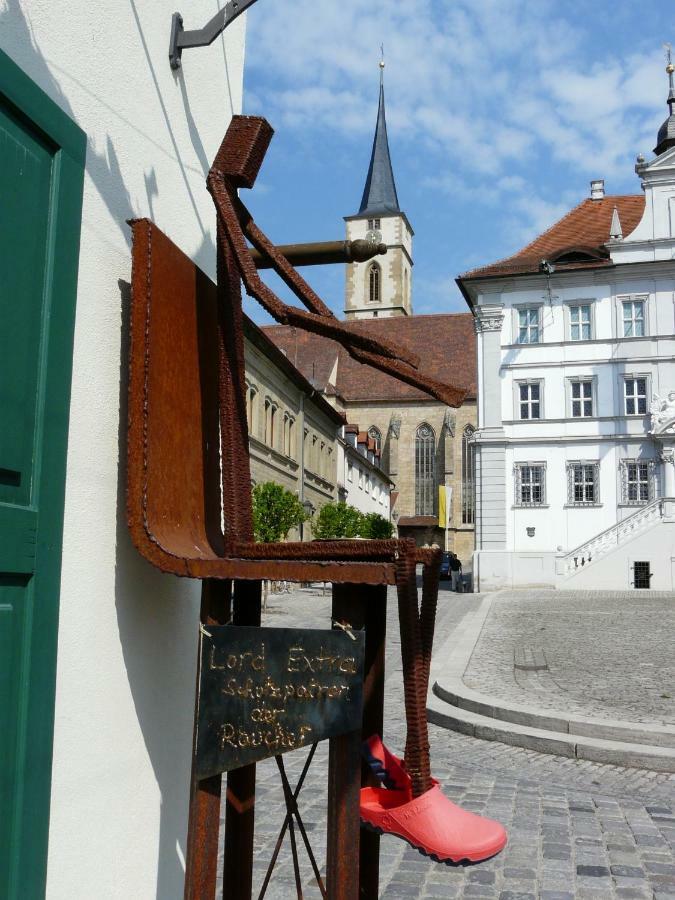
[615, 230]
[666, 136]
[381, 64]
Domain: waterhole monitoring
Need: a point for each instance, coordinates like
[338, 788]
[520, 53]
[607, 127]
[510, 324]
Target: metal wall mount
[201, 37]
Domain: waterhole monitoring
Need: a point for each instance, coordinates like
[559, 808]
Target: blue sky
[499, 113]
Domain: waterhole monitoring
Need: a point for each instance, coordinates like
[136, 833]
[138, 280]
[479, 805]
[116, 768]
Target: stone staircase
[621, 533]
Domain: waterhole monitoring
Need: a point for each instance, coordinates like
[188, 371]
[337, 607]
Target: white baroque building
[575, 477]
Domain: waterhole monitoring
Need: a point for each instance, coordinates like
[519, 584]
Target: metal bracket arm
[202, 37]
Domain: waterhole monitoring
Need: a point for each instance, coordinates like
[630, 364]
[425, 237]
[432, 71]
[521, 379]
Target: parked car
[445, 565]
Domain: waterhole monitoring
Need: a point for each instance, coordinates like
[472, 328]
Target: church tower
[383, 286]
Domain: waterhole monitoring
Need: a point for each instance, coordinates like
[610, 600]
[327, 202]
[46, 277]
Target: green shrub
[339, 520]
[275, 511]
[375, 526]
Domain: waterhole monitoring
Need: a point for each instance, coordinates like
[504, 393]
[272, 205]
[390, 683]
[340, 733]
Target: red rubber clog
[432, 824]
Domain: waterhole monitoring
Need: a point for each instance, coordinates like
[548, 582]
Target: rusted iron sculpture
[187, 400]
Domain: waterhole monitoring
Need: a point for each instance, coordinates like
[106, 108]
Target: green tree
[375, 526]
[275, 511]
[337, 520]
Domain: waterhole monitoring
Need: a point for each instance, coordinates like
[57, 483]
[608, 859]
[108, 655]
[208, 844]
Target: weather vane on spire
[381, 63]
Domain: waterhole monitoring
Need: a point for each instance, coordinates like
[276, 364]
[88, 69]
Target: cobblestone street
[576, 828]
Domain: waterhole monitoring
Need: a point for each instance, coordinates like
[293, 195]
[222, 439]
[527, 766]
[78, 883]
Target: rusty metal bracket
[201, 37]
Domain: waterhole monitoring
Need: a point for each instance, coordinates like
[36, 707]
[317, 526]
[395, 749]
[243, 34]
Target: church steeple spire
[666, 137]
[379, 193]
[380, 288]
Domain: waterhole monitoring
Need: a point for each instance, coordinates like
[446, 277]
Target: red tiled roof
[417, 521]
[585, 229]
[445, 343]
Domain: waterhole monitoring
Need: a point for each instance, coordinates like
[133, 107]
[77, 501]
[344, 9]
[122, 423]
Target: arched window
[425, 470]
[290, 449]
[468, 477]
[267, 432]
[374, 283]
[273, 425]
[376, 435]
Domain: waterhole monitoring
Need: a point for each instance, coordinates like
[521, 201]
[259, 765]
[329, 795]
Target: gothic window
[425, 470]
[376, 435]
[468, 477]
[374, 274]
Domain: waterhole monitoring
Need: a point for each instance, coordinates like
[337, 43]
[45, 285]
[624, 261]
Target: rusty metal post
[240, 797]
[322, 253]
[201, 864]
[363, 606]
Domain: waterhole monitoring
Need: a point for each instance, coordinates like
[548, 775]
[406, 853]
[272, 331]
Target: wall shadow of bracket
[201, 37]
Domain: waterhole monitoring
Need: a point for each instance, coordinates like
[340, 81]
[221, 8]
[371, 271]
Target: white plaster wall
[377, 499]
[127, 635]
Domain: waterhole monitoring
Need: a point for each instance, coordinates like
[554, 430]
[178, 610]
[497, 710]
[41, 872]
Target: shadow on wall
[102, 168]
[157, 615]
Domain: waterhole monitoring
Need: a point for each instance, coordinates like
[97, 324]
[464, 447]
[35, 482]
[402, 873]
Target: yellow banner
[444, 505]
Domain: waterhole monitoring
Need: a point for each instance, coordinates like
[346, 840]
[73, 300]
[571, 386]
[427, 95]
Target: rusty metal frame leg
[201, 866]
[363, 606]
[342, 845]
[240, 797]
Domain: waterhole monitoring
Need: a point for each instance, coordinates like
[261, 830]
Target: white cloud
[491, 83]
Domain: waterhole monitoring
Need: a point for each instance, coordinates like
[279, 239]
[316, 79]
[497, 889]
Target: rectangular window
[528, 325]
[361, 479]
[529, 400]
[637, 481]
[530, 484]
[635, 396]
[350, 472]
[583, 483]
[581, 393]
[373, 223]
[633, 318]
[580, 323]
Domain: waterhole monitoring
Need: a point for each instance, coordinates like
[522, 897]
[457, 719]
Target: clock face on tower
[374, 236]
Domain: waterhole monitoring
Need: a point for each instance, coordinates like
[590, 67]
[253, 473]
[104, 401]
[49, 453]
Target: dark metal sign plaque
[265, 691]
